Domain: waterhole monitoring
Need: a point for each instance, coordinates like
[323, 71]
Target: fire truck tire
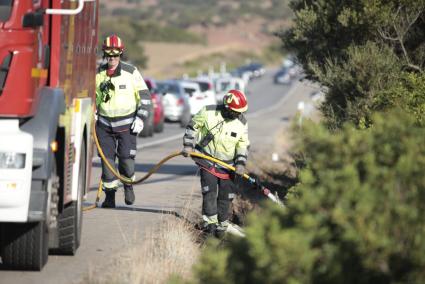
[25, 246]
[70, 220]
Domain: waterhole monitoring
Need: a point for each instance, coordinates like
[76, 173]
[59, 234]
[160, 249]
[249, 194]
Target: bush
[328, 28]
[355, 86]
[408, 94]
[355, 217]
[363, 51]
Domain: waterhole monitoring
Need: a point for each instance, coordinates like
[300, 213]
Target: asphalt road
[173, 190]
[261, 93]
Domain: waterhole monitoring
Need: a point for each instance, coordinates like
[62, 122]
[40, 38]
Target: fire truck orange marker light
[54, 146]
[39, 73]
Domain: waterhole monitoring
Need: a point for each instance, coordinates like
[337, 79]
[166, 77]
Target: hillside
[173, 33]
[187, 13]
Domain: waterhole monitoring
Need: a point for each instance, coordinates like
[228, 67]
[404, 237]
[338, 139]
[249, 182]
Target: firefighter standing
[122, 101]
[221, 132]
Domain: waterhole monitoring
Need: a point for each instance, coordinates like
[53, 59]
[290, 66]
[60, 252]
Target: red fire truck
[47, 72]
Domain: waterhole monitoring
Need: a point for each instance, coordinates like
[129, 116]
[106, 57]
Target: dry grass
[166, 60]
[172, 249]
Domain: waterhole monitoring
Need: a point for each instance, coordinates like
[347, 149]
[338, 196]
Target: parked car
[196, 98]
[287, 74]
[283, 76]
[175, 101]
[207, 88]
[158, 107]
[252, 70]
[224, 84]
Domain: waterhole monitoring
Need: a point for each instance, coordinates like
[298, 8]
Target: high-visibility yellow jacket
[230, 143]
[122, 96]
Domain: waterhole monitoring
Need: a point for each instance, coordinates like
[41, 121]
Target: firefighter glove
[257, 183]
[239, 172]
[137, 125]
[186, 151]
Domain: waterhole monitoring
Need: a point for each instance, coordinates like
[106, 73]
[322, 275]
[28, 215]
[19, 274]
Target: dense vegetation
[364, 52]
[356, 214]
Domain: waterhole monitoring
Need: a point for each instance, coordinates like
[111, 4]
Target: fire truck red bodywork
[60, 53]
[47, 89]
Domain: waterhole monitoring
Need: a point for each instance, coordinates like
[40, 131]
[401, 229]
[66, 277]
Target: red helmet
[236, 101]
[113, 45]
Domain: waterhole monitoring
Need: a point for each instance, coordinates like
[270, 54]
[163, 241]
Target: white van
[224, 84]
[197, 99]
[207, 89]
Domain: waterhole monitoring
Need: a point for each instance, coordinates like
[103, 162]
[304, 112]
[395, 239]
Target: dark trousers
[121, 145]
[217, 195]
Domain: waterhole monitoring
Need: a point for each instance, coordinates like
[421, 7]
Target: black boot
[210, 229]
[109, 199]
[129, 194]
[220, 232]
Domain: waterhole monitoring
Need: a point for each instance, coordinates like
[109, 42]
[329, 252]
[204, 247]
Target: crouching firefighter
[220, 132]
[122, 101]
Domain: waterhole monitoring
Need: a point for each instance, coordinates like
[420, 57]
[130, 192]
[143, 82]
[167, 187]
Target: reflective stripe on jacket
[230, 143]
[121, 95]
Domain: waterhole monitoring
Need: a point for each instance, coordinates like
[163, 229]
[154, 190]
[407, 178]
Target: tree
[339, 42]
[327, 29]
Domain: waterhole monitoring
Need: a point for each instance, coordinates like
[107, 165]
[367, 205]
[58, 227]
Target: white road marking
[160, 141]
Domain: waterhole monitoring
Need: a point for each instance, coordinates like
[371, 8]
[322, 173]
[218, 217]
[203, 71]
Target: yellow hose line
[157, 166]
[99, 191]
[151, 171]
[125, 179]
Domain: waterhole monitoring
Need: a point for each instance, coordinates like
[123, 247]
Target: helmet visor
[112, 51]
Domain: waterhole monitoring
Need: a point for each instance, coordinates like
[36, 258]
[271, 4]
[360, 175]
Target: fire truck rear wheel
[70, 220]
[25, 246]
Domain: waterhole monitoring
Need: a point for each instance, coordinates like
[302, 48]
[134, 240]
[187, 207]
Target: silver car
[175, 101]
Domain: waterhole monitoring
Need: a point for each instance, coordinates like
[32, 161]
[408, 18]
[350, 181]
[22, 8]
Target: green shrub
[326, 29]
[355, 86]
[364, 52]
[355, 217]
[409, 94]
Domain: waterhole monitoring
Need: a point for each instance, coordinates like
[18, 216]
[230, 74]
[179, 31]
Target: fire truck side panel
[77, 67]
